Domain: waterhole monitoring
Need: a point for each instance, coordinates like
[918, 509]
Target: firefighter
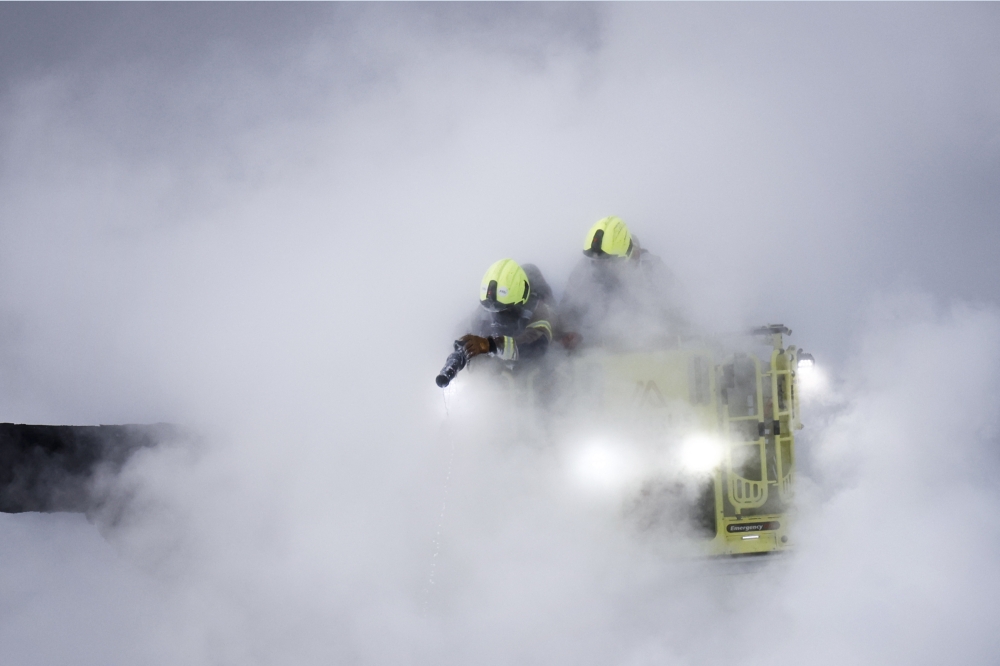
[515, 320]
[619, 295]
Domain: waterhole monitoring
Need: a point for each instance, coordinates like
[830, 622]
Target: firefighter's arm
[531, 343]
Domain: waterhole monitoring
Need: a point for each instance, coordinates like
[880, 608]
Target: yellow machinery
[742, 406]
[733, 410]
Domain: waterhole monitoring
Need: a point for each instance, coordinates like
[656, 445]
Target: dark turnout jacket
[622, 303]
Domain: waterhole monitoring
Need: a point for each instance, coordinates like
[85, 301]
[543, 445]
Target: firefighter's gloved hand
[570, 340]
[475, 345]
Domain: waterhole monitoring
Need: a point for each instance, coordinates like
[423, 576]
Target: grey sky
[265, 220]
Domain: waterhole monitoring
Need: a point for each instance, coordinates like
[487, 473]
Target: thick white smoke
[270, 241]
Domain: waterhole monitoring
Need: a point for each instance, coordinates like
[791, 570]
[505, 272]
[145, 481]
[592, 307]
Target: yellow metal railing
[746, 493]
[783, 412]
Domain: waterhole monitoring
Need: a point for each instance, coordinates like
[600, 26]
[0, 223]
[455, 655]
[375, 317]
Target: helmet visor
[505, 319]
[496, 306]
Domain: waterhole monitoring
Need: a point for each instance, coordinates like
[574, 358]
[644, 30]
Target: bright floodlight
[806, 360]
[701, 453]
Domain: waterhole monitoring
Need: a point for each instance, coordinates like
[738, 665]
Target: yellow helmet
[504, 286]
[609, 237]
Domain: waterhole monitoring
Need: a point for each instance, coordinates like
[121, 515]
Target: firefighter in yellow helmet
[513, 322]
[619, 294]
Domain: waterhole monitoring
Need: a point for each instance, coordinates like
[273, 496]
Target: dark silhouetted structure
[53, 468]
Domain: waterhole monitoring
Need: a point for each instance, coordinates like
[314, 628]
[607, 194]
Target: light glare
[701, 453]
[812, 381]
